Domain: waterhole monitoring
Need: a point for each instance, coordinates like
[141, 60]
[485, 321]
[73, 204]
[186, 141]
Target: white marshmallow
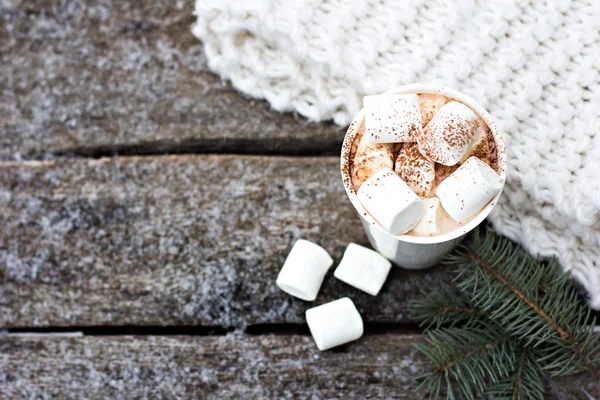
[431, 222]
[369, 158]
[334, 323]
[415, 169]
[391, 202]
[450, 133]
[304, 269]
[468, 189]
[363, 268]
[393, 118]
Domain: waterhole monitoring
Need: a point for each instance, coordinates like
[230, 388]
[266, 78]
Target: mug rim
[418, 88]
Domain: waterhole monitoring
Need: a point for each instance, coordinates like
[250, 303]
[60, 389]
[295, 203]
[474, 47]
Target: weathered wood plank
[175, 240]
[206, 367]
[103, 76]
[268, 367]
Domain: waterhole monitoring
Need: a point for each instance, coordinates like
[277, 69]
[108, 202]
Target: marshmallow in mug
[415, 169]
[369, 158]
[450, 134]
[391, 202]
[363, 268]
[431, 222]
[468, 189]
[393, 118]
[304, 269]
[335, 323]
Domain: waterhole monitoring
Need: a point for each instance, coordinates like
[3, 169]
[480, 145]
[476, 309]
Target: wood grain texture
[226, 367]
[111, 76]
[230, 367]
[176, 240]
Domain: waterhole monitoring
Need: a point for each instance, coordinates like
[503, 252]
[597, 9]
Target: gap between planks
[375, 328]
[289, 147]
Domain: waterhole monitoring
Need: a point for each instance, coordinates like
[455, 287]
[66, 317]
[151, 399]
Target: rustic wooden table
[149, 206]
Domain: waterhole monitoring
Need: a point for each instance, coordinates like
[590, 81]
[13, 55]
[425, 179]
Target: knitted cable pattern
[533, 64]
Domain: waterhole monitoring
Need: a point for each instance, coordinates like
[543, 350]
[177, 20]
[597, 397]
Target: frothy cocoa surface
[493, 149]
[479, 149]
[430, 104]
[442, 172]
[408, 161]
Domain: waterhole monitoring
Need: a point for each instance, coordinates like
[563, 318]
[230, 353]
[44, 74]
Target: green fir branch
[466, 359]
[525, 381]
[519, 320]
[445, 306]
[533, 302]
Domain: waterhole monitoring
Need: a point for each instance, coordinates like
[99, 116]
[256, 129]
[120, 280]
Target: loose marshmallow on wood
[368, 159]
[335, 323]
[430, 105]
[393, 118]
[415, 169]
[468, 189]
[431, 223]
[391, 202]
[363, 268]
[450, 133]
[304, 269]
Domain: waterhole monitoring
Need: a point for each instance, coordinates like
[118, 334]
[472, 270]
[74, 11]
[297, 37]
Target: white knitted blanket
[533, 64]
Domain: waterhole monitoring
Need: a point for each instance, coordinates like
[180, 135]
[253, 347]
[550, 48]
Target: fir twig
[466, 359]
[520, 318]
[525, 382]
[518, 293]
[535, 303]
[445, 306]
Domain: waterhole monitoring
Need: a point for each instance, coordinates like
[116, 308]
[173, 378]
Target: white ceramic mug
[417, 252]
